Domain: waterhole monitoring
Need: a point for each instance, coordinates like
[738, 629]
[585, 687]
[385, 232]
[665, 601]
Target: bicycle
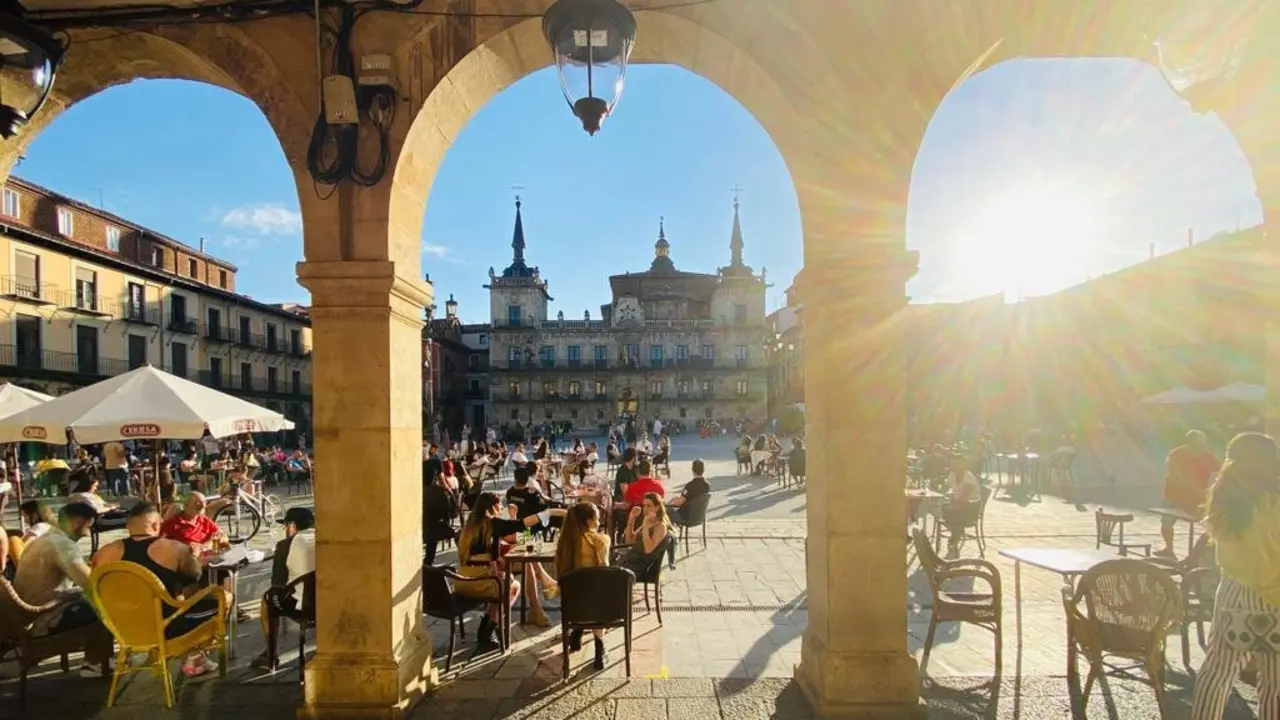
[245, 513]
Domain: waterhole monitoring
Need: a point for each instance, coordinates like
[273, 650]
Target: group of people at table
[46, 564]
[637, 508]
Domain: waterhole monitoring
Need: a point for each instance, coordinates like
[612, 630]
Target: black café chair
[440, 601]
[595, 598]
[652, 574]
[693, 514]
[303, 614]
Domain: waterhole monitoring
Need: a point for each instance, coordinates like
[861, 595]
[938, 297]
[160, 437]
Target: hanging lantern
[592, 41]
[29, 57]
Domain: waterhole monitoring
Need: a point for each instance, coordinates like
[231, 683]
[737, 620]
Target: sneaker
[552, 592]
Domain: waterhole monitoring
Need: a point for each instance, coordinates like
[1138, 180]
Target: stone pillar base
[874, 686]
[350, 686]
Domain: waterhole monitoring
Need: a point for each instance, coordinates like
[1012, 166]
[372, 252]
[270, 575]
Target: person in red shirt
[1190, 468]
[192, 527]
[644, 483]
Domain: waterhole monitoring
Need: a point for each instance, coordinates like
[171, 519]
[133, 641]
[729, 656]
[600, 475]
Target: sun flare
[1028, 242]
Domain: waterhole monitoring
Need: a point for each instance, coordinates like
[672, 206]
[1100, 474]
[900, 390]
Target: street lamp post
[29, 59]
[592, 41]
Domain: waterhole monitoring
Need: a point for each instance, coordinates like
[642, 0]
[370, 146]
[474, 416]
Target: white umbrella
[1177, 396]
[142, 404]
[1240, 392]
[15, 398]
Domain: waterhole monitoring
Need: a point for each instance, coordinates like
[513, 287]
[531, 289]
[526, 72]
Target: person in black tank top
[177, 569]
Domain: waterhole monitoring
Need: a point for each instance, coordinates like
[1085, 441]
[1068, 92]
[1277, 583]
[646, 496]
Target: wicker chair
[1200, 577]
[977, 530]
[16, 617]
[1129, 607]
[983, 609]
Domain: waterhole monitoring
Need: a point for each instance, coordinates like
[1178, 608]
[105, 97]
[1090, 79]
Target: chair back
[596, 597]
[437, 592]
[129, 599]
[1106, 525]
[15, 614]
[925, 554]
[1131, 604]
[307, 608]
[694, 512]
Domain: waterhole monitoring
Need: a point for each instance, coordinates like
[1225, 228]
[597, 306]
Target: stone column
[374, 656]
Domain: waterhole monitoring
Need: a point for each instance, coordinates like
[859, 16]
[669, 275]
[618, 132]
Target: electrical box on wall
[376, 71]
[340, 101]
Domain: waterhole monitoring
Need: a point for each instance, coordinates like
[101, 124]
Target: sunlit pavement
[733, 614]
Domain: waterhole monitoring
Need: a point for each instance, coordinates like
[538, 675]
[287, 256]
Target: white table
[1067, 562]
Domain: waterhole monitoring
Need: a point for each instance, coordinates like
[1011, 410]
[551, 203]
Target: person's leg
[271, 631]
[1166, 533]
[1221, 662]
[1268, 685]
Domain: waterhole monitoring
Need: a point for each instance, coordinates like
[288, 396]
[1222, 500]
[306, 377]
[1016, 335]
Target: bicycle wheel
[239, 522]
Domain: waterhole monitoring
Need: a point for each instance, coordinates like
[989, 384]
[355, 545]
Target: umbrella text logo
[140, 430]
[35, 433]
[245, 426]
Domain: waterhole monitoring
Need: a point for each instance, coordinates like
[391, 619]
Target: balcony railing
[218, 333]
[27, 289]
[181, 324]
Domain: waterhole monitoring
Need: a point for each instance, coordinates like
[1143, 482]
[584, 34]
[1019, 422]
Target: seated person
[612, 453]
[294, 557]
[647, 528]
[518, 458]
[582, 545]
[53, 569]
[796, 460]
[175, 566]
[695, 488]
[528, 499]
[644, 484]
[110, 517]
[643, 445]
[964, 502]
[664, 451]
[439, 507]
[193, 528]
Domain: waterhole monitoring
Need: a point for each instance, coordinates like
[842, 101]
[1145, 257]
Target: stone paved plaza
[733, 614]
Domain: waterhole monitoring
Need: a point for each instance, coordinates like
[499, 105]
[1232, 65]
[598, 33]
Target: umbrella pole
[155, 458]
[16, 473]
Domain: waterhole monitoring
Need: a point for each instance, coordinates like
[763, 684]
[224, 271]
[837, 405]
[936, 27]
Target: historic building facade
[681, 346]
[86, 294]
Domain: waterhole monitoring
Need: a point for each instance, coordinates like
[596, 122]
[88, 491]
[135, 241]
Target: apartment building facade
[86, 294]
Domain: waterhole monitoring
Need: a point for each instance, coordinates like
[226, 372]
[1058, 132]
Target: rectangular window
[575, 353]
[739, 313]
[177, 309]
[548, 388]
[178, 359]
[27, 333]
[215, 372]
[631, 354]
[66, 222]
[271, 337]
[515, 414]
[26, 270]
[513, 390]
[514, 315]
[682, 388]
[484, 340]
[513, 355]
[682, 352]
[273, 379]
[655, 353]
[113, 238]
[12, 203]
[137, 351]
[87, 350]
[86, 289]
[246, 330]
[137, 304]
[708, 352]
[193, 267]
[246, 376]
[575, 389]
[157, 256]
[743, 387]
[706, 389]
[602, 353]
[655, 388]
[573, 414]
[222, 279]
[547, 354]
[473, 362]
[295, 341]
[295, 382]
[741, 354]
[600, 389]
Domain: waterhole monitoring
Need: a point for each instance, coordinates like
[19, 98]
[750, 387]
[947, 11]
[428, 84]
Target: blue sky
[1096, 138]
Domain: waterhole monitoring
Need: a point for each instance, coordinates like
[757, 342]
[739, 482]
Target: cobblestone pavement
[733, 615]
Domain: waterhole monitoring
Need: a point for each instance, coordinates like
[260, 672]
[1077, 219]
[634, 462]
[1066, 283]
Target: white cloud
[237, 242]
[264, 219]
[437, 250]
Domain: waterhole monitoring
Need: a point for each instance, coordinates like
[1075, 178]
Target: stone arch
[223, 56]
[510, 55]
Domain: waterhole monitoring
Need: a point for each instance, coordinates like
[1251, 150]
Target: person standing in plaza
[116, 462]
[1242, 518]
[1189, 469]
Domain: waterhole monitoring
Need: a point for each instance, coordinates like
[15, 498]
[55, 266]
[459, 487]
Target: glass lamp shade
[29, 58]
[1201, 45]
[592, 41]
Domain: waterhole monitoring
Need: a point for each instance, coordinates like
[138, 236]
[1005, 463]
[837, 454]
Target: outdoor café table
[1067, 562]
[229, 564]
[920, 500]
[542, 553]
[1025, 464]
[1178, 514]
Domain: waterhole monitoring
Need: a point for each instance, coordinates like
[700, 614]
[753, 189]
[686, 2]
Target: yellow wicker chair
[131, 601]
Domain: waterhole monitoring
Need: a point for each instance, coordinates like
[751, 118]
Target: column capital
[342, 285]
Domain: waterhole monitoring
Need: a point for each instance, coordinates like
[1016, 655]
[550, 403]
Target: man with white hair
[193, 527]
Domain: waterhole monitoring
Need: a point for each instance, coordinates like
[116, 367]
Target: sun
[1027, 242]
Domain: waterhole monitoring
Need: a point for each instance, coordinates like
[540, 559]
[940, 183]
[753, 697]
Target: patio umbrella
[142, 404]
[14, 398]
[1240, 392]
[1177, 396]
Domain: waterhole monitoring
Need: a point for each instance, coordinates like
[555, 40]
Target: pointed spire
[735, 240]
[517, 238]
[662, 248]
